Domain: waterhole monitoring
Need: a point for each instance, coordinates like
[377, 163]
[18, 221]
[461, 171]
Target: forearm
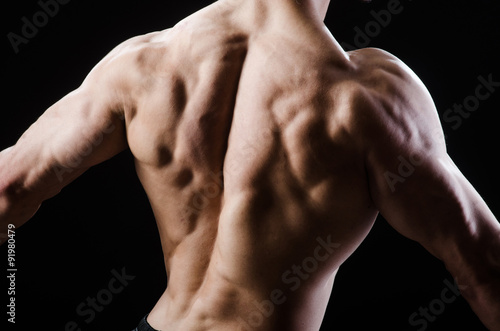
[477, 273]
[484, 300]
[482, 296]
[16, 205]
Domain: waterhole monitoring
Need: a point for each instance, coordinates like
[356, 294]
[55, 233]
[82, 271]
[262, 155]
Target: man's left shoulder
[378, 65]
[395, 104]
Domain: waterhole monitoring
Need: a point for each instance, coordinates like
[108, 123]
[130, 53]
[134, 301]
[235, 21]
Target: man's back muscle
[266, 153]
[243, 146]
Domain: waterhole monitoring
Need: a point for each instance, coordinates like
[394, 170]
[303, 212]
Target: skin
[266, 152]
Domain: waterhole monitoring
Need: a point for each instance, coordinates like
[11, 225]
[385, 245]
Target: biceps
[71, 136]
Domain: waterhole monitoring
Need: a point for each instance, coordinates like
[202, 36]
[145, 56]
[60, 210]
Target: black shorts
[144, 325]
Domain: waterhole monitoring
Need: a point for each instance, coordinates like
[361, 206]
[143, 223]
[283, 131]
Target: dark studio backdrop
[91, 256]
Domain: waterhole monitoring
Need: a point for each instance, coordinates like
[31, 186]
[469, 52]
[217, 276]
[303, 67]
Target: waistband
[144, 325]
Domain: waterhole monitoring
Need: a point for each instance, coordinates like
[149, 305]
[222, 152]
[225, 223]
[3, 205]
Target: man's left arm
[421, 192]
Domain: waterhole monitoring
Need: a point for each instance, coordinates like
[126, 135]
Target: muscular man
[266, 152]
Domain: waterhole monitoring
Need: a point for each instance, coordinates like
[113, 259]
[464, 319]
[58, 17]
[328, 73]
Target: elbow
[6, 189]
[15, 207]
[8, 198]
[6, 207]
[7, 213]
[5, 203]
[6, 186]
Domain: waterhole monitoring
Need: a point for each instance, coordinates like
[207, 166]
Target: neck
[316, 8]
[313, 10]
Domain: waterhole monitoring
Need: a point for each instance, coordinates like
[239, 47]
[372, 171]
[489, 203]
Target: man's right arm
[423, 195]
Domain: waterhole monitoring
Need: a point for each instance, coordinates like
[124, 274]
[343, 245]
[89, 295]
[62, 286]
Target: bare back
[242, 146]
[266, 152]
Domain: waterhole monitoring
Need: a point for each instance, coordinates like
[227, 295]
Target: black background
[102, 222]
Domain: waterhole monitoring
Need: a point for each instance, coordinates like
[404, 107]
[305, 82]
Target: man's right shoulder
[134, 51]
[127, 68]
